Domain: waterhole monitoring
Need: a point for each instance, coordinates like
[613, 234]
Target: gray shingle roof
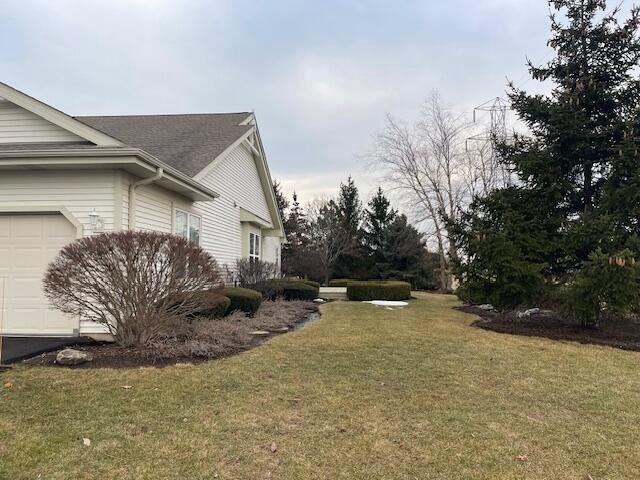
[186, 142]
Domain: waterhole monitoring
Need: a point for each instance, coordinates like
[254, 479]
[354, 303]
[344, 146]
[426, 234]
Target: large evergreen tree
[281, 200]
[577, 168]
[378, 216]
[403, 255]
[353, 262]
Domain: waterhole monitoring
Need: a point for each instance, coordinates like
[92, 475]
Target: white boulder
[71, 356]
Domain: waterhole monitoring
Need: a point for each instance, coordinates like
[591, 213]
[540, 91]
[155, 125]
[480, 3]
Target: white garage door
[28, 242]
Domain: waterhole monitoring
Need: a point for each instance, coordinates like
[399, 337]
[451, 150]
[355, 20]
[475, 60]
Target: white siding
[236, 179]
[271, 250]
[154, 207]
[80, 191]
[18, 125]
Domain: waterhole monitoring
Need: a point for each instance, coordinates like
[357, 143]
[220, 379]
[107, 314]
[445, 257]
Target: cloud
[320, 75]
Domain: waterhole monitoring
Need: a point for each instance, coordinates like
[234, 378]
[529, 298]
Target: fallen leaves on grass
[274, 447]
[523, 457]
[8, 385]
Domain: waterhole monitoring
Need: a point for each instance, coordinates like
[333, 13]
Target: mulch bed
[227, 337]
[552, 325]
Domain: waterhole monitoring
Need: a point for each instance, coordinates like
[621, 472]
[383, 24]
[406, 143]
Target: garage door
[27, 244]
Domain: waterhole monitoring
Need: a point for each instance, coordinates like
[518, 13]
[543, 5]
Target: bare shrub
[254, 273]
[275, 314]
[137, 284]
[208, 339]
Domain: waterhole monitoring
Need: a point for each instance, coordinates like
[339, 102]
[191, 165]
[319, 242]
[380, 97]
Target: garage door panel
[25, 258]
[26, 227]
[27, 289]
[28, 244]
[5, 253]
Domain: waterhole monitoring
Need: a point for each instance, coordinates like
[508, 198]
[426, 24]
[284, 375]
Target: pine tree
[378, 217]
[350, 208]
[577, 169]
[295, 224]
[281, 200]
[353, 262]
[578, 131]
[403, 255]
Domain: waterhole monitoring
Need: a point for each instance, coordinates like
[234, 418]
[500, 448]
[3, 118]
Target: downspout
[132, 194]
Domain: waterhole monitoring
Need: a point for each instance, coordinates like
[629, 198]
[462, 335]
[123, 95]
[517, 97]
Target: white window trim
[255, 256]
[189, 216]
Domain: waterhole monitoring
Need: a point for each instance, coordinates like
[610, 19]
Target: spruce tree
[281, 200]
[353, 263]
[576, 168]
[578, 132]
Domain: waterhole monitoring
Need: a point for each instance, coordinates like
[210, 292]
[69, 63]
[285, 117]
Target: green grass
[364, 393]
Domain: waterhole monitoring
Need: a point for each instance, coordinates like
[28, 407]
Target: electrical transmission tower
[493, 172]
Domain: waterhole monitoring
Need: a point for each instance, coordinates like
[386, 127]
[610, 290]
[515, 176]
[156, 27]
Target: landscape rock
[260, 333]
[71, 356]
[528, 313]
[486, 306]
[280, 330]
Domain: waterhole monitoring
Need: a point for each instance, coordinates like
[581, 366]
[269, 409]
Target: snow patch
[387, 303]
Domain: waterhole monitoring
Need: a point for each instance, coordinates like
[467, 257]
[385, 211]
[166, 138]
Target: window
[254, 246]
[188, 226]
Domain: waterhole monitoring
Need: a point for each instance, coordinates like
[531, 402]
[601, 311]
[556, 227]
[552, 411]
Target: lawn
[364, 393]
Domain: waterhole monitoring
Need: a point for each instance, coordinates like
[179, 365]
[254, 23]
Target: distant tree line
[340, 238]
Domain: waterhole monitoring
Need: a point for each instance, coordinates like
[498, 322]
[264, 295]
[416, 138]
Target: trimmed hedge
[217, 307]
[243, 299]
[378, 290]
[311, 283]
[297, 290]
[339, 282]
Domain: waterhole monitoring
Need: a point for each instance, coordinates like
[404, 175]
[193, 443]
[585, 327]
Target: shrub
[216, 306]
[296, 290]
[305, 281]
[607, 285]
[374, 290]
[254, 273]
[243, 299]
[135, 283]
[339, 282]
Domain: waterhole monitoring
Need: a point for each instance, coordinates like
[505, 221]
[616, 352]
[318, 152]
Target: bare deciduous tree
[135, 283]
[327, 237]
[429, 165]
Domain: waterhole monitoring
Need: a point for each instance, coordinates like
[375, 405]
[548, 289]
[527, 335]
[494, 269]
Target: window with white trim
[188, 225]
[254, 246]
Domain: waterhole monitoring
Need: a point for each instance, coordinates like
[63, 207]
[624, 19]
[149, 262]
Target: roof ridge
[163, 115]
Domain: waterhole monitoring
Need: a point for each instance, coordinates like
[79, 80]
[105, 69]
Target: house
[201, 176]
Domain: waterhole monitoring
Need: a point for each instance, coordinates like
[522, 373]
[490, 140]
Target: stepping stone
[260, 333]
[280, 330]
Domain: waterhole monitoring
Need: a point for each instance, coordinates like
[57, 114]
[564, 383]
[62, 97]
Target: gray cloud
[320, 75]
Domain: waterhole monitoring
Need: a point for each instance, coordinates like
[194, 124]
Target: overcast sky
[320, 75]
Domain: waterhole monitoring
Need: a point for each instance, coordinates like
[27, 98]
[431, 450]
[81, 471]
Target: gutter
[132, 194]
[115, 152]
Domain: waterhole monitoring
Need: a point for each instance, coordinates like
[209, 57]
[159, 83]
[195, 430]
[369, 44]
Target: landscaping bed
[552, 325]
[199, 340]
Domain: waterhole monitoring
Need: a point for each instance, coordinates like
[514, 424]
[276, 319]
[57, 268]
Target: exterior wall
[271, 250]
[18, 125]
[236, 179]
[80, 191]
[246, 229]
